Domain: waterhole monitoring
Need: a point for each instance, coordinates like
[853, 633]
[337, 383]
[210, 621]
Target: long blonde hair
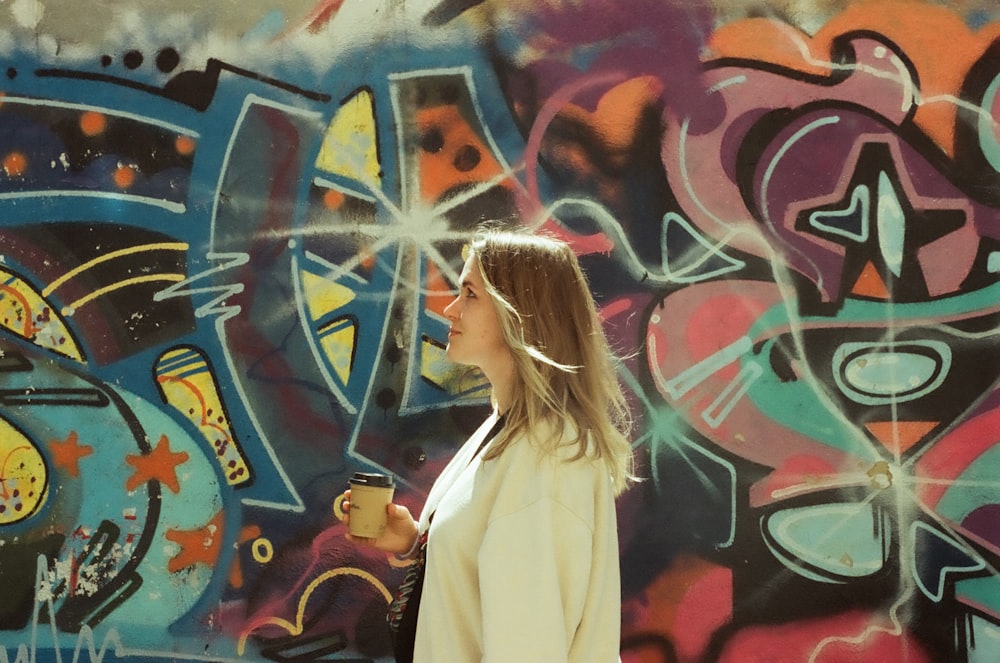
[565, 370]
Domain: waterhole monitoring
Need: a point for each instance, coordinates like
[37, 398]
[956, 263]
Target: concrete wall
[228, 231]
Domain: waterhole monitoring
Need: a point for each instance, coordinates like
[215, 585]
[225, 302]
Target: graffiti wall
[224, 260]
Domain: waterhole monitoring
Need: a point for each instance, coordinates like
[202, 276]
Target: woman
[521, 553]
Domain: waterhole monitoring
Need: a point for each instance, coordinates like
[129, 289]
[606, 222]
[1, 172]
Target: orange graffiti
[366, 258]
[158, 465]
[616, 128]
[93, 123]
[452, 153]
[198, 546]
[900, 436]
[14, 164]
[938, 43]
[67, 454]
[124, 176]
[617, 117]
[247, 533]
[935, 39]
[767, 40]
[333, 199]
[185, 145]
[870, 284]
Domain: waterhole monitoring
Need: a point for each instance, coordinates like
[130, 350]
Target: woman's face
[475, 337]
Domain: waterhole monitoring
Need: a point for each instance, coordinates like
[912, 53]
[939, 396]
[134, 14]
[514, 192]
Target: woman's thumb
[398, 512]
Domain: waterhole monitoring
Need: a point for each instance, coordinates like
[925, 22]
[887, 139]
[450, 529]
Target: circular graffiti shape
[14, 164]
[263, 550]
[124, 176]
[432, 140]
[133, 59]
[167, 60]
[467, 158]
[338, 507]
[23, 475]
[93, 123]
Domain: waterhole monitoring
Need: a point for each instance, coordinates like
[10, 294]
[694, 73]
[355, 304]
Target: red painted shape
[953, 453]
[827, 640]
[798, 474]
[717, 323]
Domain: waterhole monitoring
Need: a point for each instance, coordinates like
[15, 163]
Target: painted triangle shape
[870, 284]
[900, 436]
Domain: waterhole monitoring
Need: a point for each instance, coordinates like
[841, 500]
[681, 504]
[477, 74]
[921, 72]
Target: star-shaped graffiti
[158, 465]
[882, 223]
[200, 545]
[66, 454]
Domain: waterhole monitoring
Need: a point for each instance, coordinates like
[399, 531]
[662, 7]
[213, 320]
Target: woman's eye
[469, 293]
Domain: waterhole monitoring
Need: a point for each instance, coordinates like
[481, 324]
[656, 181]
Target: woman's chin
[455, 356]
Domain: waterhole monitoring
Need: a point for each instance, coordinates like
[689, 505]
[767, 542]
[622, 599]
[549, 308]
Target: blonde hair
[565, 370]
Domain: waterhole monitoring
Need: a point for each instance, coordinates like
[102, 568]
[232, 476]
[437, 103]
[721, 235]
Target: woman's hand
[401, 530]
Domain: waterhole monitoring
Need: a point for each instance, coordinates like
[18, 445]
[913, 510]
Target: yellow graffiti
[27, 314]
[295, 628]
[165, 246]
[23, 475]
[263, 550]
[324, 296]
[350, 146]
[175, 278]
[338, 507]
[456, 380]
[188, 385]
[338, 338]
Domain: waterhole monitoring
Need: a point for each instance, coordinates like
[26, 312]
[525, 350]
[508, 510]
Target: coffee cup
[371, 493]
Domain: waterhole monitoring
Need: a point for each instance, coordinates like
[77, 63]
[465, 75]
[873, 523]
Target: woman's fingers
[400, 531]
[360, 540]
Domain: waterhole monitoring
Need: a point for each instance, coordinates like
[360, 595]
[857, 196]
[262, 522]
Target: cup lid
[372, 479]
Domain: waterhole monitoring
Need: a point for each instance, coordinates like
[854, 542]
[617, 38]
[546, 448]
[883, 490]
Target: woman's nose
[449, 310]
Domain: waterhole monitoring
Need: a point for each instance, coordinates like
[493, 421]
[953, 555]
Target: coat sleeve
[534, 568]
